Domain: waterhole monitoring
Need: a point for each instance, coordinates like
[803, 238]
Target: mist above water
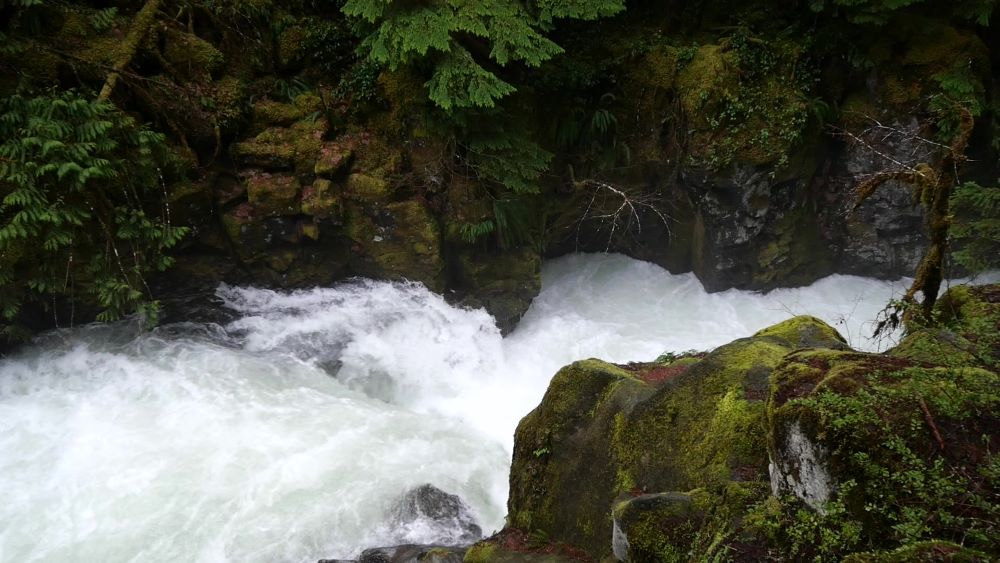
[289, 434]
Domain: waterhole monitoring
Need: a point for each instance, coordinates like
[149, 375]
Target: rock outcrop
[606, 432]
[786, 444]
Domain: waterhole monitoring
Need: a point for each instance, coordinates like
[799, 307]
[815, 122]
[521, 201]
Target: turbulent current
[289, 433]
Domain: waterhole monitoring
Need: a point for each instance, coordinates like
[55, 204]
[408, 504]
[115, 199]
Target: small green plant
[907, 484]
[290, 89]
[472, 232]
[102, 20]
[540, 452]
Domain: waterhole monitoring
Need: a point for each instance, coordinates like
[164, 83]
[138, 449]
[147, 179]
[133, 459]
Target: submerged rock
[407, 554]
[427, 511]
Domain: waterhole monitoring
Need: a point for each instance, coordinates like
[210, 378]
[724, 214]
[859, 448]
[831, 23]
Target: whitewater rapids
[288, 434]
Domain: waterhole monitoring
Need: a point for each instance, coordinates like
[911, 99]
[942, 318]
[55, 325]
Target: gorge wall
[727, 142]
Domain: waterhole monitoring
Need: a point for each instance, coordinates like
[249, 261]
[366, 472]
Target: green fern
[473, 232]
[102, 20]
[408, 32]
[74, 175]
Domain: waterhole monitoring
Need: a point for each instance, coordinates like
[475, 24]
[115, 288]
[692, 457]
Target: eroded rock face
[754, 230]
[885, 236]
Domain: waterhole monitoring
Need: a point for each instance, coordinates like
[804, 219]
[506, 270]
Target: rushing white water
[204, 443]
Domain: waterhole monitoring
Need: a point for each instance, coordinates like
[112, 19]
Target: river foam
[288, 434]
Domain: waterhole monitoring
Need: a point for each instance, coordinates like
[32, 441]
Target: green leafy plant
[451, 36]
[74, 178]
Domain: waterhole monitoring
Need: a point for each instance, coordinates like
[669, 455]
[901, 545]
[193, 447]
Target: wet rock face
[428, 512]
[754, 231]
[885, 237]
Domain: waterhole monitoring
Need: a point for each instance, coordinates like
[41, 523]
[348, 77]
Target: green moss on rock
[401, 240]
[883, 445]
[273, 194]
[659, 528]
[191, 55]
[805, 332]
[269, 113]
[601, 431]
[482, 552]
[282, 148]
[230, 97]
[322, 200]
[334, 160]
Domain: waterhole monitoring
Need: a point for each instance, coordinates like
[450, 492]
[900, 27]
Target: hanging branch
[623, 216]
[136, 32]
[933, 184]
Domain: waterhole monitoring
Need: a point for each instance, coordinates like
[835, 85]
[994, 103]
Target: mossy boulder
[659, 527]
[272, 150]
[699, 525]
[397, 241]
[272, 195]
[269, 113]
[969, 331]
[323, 200]
[283, 148]
[886, 444]
[230, 100]
[191, 56]
[517, 546]
[602, 431]
[334, 160]
[504, 283]
[805, 332]
[368, 189]
[563, 477]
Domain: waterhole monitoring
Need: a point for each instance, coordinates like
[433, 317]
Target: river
[287, 434]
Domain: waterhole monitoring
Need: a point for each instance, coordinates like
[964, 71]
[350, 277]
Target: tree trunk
[136, 33]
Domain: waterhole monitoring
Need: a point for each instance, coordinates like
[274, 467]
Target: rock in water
[428, 514]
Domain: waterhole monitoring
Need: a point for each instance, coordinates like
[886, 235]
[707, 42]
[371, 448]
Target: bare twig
[930, 423]
[627, 210]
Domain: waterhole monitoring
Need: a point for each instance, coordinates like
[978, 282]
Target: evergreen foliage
[977, 226]
[879, 12]
[449, 33]
[74, 175]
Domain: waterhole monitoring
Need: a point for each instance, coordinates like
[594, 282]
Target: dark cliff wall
[724, 140]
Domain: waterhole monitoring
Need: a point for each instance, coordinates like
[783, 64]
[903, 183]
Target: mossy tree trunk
[136, 33]
[934, 185]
